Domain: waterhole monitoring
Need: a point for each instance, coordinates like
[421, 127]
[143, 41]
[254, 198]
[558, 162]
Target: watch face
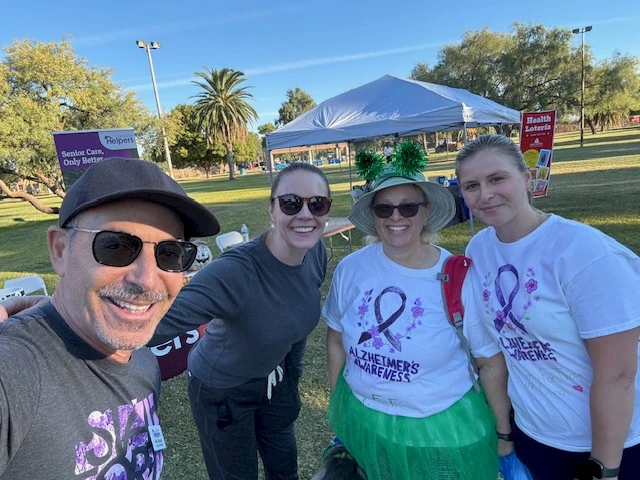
[589, 470]
[596, 468]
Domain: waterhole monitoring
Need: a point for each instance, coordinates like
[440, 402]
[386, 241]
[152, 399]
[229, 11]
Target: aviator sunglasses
[407, 210]
[291, 204]
[120, 249]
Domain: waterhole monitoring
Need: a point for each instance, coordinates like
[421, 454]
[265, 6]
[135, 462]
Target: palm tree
[222, 110]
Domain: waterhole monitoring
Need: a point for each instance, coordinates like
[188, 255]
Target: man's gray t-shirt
[68, 412]
[261, 311]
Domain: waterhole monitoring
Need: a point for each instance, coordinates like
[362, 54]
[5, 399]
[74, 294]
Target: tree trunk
[29, 198]
[232, 173]
[591, 126]
[51, 185]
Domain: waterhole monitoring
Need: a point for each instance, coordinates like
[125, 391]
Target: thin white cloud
[314, 62]
[601, 21]
[162, 85]
[609, 21]
[311, 62]
[268, 114]
[240, 17]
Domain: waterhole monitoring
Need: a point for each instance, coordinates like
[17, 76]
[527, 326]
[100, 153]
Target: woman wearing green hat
[402, 399]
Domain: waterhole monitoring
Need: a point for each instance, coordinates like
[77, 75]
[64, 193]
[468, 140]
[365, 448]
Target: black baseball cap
[116, 178]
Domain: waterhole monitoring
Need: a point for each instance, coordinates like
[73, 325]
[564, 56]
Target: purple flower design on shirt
[417, 310]
[531, 272]
[374, 331]
[362, 309]
[485, 295]
[531, 285]
[378, 343]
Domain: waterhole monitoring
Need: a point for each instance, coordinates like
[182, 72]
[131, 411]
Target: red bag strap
[454, 271]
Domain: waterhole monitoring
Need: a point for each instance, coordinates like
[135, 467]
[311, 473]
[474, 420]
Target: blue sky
[324, 47]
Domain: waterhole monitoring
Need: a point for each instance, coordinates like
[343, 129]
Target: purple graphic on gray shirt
[120, 444]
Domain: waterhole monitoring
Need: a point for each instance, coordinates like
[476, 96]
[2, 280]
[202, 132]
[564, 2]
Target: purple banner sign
[78, 150]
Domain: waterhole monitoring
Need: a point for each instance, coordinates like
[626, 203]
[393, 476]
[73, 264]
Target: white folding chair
[225, 241]
[30, 284]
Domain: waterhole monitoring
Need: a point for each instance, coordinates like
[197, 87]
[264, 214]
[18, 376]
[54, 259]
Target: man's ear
[58, 242]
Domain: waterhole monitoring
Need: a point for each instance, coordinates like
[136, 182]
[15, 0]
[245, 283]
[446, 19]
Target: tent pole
[464, 142]
[268, 158]
[350, 178]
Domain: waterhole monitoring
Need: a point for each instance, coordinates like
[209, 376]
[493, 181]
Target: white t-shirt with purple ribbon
[540, 298]
[403, 356]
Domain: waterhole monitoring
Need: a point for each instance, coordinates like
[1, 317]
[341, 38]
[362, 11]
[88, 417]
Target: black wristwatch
[507, 437]
[595, 469]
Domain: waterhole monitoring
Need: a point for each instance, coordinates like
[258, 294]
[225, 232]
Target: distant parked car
[317, 162]
[280, 166]
[334, 160]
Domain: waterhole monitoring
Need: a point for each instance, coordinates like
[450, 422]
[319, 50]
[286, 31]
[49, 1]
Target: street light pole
[582, 31]
[148, 46]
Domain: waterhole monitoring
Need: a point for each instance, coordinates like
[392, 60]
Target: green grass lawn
[598, 184]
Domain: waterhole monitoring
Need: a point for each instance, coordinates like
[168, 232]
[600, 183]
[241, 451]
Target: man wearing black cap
[78, 398]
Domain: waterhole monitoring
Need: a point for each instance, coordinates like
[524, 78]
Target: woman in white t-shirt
[403, 401]
[562, 300]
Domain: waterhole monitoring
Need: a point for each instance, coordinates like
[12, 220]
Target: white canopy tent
[390, 106]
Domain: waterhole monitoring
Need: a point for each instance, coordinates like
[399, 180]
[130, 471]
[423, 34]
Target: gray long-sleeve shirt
[260, 309]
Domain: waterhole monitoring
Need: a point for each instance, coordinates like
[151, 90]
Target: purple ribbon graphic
[500, 319]
[383, 326]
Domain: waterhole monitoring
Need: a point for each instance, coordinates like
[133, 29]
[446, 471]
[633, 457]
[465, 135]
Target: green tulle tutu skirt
[457, 444]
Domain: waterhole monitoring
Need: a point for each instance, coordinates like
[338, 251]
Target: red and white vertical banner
[536, 142]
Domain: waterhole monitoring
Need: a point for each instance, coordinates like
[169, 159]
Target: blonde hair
[496, 142]
[492, 142]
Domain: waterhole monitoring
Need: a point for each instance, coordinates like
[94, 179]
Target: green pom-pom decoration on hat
[409, 158]
[369, 164]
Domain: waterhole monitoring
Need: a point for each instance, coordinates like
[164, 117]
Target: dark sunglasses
[291, 204]
[385, 210]
[119, 249]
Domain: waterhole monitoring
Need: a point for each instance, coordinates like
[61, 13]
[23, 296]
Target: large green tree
[45, 87]
[222, 110]
[188, 143]
[264, 130]
[248, 150]
[531, 68]
[298, 101]
[613, 91]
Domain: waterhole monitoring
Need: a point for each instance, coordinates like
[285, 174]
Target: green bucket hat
[440, 200]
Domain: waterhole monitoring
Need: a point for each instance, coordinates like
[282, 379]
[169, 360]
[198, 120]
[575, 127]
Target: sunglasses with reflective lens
[407, 210]
[120, 249]
[291, 204]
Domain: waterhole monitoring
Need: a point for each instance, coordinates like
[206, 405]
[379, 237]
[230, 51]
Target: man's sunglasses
[291, 204]
[385, 210]
[119, 249]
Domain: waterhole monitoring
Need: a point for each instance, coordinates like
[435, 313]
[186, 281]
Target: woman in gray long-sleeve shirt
[264, 298]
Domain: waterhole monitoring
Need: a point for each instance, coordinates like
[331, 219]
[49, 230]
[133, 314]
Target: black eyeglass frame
[138, 244]
[400, 207]
[300, 201]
